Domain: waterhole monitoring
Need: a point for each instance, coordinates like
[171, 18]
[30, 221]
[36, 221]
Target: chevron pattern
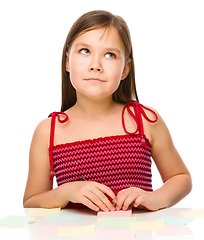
[119, 162]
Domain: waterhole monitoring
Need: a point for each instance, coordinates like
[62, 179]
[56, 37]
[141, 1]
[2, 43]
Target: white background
[168, 44]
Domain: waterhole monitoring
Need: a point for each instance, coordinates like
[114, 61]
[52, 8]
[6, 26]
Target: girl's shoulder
[157, 132]
[153, 124]
[44, 125]
[151, 113]
[42, 131]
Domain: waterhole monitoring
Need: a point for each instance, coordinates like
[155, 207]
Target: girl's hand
[137, 197]
[91, 194]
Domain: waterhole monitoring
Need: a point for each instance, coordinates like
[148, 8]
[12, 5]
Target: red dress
[118, 162]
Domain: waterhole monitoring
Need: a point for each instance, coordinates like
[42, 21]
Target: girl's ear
[126, 69]
[67, 64]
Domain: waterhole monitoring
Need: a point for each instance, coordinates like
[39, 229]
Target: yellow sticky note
[43, 212]
[77, 231]
[193, 214]
[145, 226]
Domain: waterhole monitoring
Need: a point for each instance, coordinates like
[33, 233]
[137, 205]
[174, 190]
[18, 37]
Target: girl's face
[96, 62]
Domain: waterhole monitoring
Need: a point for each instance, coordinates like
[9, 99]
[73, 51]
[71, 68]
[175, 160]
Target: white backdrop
[168, 44]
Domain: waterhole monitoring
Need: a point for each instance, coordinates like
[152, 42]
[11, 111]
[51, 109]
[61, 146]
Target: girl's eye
[85, 51]
[110, 55]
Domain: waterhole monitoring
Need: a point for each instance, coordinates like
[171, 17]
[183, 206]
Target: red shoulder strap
[52, 132]
[136, 114]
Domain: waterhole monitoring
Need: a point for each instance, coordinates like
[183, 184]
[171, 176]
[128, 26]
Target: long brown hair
[126, 91]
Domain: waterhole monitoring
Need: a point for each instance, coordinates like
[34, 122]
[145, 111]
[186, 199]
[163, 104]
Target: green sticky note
[117, 221]
[14, 221]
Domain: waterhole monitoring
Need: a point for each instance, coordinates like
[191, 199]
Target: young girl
[100, 146]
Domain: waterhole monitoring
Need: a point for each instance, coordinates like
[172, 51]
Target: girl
[100, 146]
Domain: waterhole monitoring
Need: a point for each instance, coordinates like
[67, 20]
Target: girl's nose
[95, 65]
[97, 69]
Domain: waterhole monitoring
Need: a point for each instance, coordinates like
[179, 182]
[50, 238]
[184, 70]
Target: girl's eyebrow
[83, 45]
[113, 50]
[109, 49]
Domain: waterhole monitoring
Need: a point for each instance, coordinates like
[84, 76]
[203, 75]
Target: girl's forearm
[174, 189]
[50, 199]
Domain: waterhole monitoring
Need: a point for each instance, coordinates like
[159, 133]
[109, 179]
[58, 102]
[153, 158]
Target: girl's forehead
[107, 36]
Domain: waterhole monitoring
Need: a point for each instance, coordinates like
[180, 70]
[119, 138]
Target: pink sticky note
[121, 213]
[115, 234]
[49, 230]
[174, 231]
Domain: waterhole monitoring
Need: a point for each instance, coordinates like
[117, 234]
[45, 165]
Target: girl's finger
[129, 200]
[106, 195]
[107, 191]
[99, 199]
[85, 201]
[103, 202]
[122, 195]
[139, 201]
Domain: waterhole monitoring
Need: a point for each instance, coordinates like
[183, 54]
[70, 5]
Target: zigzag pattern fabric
[119, 162]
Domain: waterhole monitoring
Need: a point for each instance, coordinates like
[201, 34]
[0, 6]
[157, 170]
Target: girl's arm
[39, 192]
[175, 175]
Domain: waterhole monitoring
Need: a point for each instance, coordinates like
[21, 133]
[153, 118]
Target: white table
[88, 217]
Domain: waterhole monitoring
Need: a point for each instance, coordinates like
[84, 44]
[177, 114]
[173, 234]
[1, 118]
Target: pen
[107, 196]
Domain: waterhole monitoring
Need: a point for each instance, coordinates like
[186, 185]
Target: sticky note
[119, 234]
[175, 231]
[146, 226]
[176, 238]
[193, 214]
[77, 231]
[48, 230]
[63, 218]
[14, 221]
[121, 213]
[176, 220]
[43, 212]
[117, 221]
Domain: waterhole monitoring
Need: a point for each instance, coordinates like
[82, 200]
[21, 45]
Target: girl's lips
[94, 80]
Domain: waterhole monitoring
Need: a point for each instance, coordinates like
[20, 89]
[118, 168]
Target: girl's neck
[94, 108]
